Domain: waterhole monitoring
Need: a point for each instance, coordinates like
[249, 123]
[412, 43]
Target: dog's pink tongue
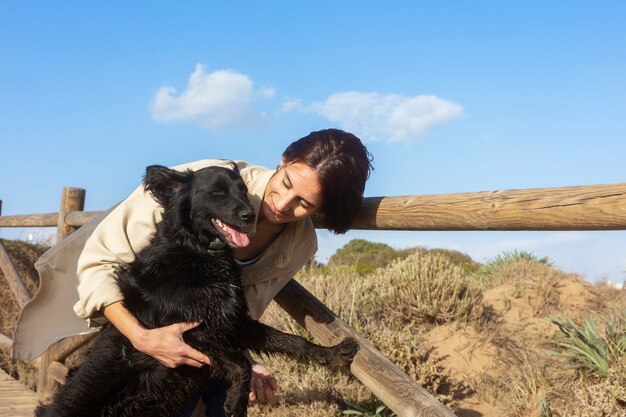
[241, 240]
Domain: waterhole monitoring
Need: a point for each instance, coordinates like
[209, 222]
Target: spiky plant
[583, 346]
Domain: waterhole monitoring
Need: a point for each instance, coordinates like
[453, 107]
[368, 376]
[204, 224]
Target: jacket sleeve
[116, 241]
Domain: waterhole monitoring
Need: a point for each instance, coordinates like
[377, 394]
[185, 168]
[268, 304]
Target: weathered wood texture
[72, 199]
[81, 218]
[592, 207]
[18, 289]
[589, 207]
[388, 382]
[52, 370]
[30, 220]
[15, 399]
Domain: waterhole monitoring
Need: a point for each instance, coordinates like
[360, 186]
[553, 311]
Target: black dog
[185, 274]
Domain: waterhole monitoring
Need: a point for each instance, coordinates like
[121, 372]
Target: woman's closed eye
[305, 205]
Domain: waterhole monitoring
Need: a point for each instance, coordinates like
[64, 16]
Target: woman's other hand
[263, 385]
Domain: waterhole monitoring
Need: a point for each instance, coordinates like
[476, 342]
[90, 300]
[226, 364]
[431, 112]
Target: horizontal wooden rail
[593, 207]
[386, 381]
[30, 220]
[589, 207]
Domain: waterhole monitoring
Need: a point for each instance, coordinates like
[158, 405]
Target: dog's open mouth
[233, 237]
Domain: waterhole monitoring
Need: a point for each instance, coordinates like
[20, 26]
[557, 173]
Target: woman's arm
[164, 344]
[115, 241]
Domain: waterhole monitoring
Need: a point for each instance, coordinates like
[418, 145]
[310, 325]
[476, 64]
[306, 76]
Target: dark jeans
[214, 398]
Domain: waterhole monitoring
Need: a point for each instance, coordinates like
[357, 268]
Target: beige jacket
[87, 281]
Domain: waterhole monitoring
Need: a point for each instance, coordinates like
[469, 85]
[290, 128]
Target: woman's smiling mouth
[277, 214]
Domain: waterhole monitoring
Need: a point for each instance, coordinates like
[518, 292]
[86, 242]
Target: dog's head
[211, 202]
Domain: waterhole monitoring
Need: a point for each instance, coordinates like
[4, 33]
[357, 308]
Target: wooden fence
[594, 207]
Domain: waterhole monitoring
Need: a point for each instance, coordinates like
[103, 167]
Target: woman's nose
[284, 205]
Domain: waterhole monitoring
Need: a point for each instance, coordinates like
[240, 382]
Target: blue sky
[451, 96]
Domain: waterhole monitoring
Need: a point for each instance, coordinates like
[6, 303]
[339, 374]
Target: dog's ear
[165, 183]
[233, 165]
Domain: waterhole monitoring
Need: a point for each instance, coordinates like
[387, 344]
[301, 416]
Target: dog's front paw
[345, 351]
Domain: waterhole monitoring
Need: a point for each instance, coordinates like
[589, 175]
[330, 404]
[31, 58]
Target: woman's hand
[263, 385]
[166, 345]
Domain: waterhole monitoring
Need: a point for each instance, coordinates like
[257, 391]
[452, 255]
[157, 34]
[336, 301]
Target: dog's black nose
[247, 215]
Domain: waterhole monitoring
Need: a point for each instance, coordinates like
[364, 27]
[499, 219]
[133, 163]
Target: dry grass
[23, 256]
[529, 380]
[437, 290]
[522, 378]
[594, 397]
[490, 356]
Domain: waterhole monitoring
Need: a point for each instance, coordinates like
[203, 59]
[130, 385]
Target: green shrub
[615, 335]
[461, 259]
[489, 275]
[424, 286]
[364, 256]
[590, 348]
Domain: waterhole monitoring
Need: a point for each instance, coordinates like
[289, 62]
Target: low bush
[423, 286]
[494, 271]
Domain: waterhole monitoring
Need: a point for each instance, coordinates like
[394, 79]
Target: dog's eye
[218, 193]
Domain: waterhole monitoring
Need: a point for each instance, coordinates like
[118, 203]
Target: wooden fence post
[72, 199]
[51, 370]
[19, 290]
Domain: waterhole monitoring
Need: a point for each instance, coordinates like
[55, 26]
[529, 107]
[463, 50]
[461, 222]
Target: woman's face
[293, 193]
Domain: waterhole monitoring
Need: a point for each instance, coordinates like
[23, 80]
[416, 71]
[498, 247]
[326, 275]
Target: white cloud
[225, 99]
[217, 100]
[267, 92]
[292, 105]
[390, 117]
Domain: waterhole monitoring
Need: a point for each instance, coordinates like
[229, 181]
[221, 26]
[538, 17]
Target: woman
[323, 173]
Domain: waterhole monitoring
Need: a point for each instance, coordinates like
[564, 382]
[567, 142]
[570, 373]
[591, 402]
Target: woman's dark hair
[343, 165]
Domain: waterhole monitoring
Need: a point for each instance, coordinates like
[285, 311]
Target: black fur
[186, 274]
